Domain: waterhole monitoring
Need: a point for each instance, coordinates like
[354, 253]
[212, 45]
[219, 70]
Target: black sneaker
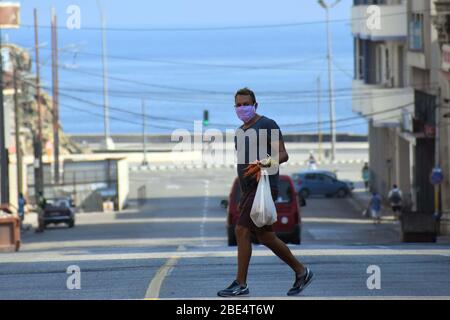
[301, 282]
[234, 290]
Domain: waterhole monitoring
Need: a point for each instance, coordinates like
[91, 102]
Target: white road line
[155, 285]
[323, 298]
[156, 220]
[27, 248]
[173, 187]
[205, 212]
[23, 257]
[341, 221]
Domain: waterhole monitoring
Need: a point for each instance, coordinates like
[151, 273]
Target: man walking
[375, 208]
[41, 203]
[365, 175]
[312, 164]
[22, 203]
[255, 140]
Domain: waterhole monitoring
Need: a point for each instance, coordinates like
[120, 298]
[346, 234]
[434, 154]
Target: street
[174, 247]
[127, 125]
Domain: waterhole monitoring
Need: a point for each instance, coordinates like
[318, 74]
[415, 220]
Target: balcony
[392, 22]
[382, 104]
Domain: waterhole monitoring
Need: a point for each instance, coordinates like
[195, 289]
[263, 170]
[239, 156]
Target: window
[284, 192]
[325, 179]
[416, 32]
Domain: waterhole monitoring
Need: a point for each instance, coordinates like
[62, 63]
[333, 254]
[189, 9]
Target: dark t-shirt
[250, 148]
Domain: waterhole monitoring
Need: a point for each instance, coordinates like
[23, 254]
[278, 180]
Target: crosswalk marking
[155, 285]
[230, 252]
[323, 298]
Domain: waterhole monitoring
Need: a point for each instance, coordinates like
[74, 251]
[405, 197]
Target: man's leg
[270, 240]
[244, 252]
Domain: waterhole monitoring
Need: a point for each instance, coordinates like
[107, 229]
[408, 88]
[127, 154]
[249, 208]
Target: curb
[363, 204]
[177, 167]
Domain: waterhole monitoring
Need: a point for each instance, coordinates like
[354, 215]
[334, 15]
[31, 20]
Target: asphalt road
[175, 247]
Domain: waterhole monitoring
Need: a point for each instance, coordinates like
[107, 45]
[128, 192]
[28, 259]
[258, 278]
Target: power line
[349, 97]
[167, 97]
[224, 125]
[66, 106]
[225, 28]
[198, 64]
[191, 90]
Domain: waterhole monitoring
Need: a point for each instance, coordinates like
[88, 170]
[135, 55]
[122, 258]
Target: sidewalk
[362, 199]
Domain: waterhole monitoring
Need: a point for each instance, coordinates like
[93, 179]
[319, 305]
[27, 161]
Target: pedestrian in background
[375, 208]
[312, 164]
[22, 203]
[41, 203]
[395, 197]
[366, 176]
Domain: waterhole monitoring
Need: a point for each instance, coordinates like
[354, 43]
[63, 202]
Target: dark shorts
[396, 208]
[245, 206]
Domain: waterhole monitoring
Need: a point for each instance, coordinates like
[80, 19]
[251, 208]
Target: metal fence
[88, 183]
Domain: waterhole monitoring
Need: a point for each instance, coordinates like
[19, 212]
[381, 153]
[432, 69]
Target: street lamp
[109, 144]
[9, 18]
[327, 8]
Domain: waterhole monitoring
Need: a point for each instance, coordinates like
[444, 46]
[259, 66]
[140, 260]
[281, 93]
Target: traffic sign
[437, 177]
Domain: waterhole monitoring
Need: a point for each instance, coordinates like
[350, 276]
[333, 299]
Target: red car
[288, 225]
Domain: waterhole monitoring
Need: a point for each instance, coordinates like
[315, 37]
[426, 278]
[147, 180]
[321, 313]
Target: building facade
[441, 21]
[382, 92]
[397, 88]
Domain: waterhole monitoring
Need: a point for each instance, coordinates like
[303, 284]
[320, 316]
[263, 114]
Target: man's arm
[278, 144]
[283, 156]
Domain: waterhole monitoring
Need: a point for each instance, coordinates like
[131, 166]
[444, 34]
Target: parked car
[317, 182]
[59, 210]
[351, 184]
[288, 225]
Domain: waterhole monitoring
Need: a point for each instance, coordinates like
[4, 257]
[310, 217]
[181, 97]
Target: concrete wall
[382, 158]
[391, 162]
[445, 157]
[123, 184]
[404, 168]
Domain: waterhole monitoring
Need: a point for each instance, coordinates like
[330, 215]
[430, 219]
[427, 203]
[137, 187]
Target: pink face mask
[246, 113]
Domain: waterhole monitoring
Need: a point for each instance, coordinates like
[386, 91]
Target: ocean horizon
[179, 74]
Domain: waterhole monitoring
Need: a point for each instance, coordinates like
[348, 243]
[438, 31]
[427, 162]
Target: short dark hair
[245, 92]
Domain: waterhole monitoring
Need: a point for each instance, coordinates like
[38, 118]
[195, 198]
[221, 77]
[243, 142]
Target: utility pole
[108, 141]
[319, 118]
[330, 77]
[39, 169]
[17, 121]
[144, 138]
[55, 97]
[437, 154]
[4, 161]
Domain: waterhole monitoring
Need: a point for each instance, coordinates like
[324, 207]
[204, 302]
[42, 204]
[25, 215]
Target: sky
[184, 13]
[270, 46]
